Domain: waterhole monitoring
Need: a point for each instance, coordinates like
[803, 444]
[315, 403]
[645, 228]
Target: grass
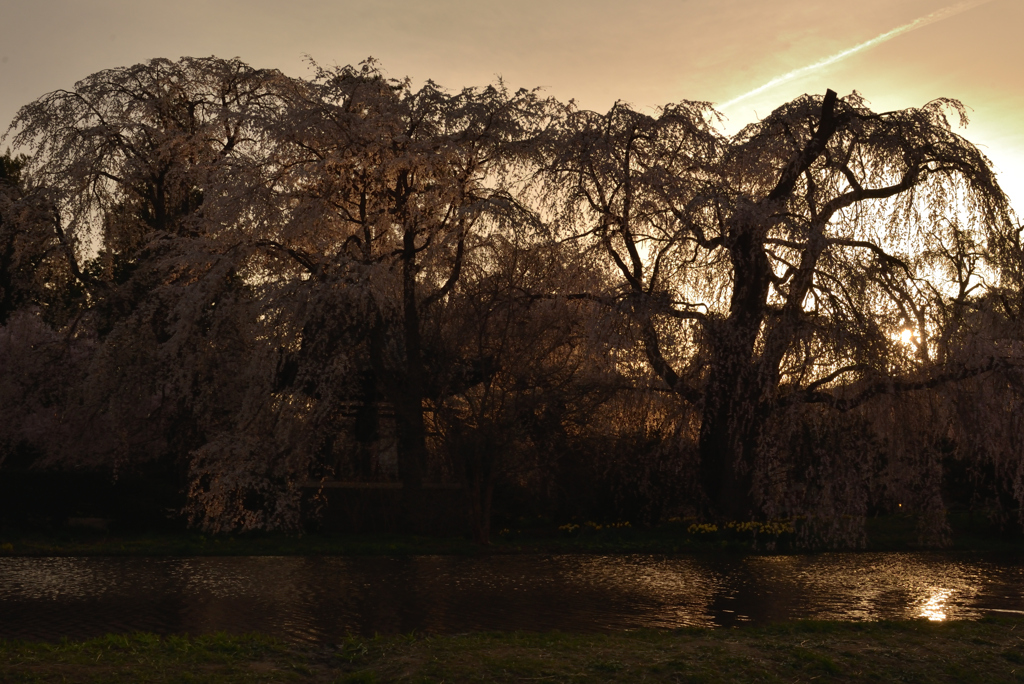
[990, 650]
[885, 534]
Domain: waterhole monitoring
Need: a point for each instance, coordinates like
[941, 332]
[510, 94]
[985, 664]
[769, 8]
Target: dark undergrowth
[889, 533]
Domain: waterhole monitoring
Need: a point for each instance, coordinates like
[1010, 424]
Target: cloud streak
[938, 15]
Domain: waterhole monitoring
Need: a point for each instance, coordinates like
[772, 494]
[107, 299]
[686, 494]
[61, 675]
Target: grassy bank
[885, 534]
[990, 650]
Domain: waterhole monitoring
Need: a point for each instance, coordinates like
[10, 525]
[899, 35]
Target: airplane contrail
[938, 15]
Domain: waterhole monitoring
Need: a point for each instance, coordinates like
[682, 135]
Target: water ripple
[315, 599]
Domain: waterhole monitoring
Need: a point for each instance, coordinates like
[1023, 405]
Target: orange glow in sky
[939, 15]
[750, 55]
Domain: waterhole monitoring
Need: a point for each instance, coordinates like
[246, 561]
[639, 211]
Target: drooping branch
[882, 255]
[303, 260]
[835, 374]
[891, 386]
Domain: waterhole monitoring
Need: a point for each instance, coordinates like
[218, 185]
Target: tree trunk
[731, 417]
[737, 393]
[480, 490]
[728, 438]
[408, 399]
[403, 384]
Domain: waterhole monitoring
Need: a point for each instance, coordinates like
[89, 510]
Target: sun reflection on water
[934, 607]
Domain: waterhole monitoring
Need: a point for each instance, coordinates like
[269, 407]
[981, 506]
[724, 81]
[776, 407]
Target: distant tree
[10, 168]
[33, 268]
[820, 256]
[13, 279]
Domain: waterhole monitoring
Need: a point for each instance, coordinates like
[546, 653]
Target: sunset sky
[897, 53]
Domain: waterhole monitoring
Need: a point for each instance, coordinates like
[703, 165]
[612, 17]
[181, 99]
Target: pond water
[319, 599]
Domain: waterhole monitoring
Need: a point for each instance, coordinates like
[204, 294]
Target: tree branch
[453, 277]
[827, 125]
[881, 253]
[303, 259]
[889, 386]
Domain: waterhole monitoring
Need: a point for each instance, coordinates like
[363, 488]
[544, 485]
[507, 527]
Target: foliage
[268, 282]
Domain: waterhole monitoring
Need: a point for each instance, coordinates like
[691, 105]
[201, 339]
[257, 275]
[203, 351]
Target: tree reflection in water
[320, 599]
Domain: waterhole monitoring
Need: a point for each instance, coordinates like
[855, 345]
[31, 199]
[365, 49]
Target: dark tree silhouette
[783, 265]
[213, 264]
